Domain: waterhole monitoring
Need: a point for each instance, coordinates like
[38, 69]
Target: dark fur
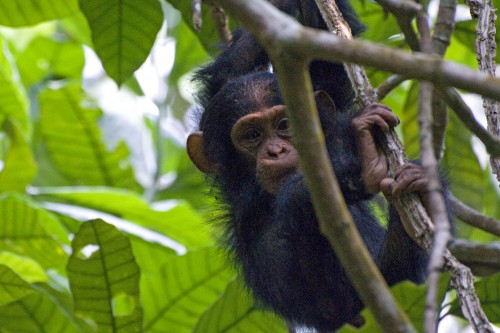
[288, 265]
[245, 55]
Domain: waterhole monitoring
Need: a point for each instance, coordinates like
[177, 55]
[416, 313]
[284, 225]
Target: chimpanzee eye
[283, 124]
[250, 135]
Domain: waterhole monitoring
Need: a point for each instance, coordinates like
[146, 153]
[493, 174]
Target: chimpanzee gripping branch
[418, 222]
[283, 37]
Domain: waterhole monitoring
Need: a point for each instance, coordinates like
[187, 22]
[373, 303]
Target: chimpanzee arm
[401, 258]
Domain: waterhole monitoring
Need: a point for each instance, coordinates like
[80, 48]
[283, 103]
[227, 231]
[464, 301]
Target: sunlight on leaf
[73, 138]
[27, 268]
[106, 283]
[19, 164]
[12, 287]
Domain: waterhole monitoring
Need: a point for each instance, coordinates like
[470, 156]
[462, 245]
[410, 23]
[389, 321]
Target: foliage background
[94, 110]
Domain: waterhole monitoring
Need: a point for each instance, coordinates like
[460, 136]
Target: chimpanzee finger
[386, 187]
[409, 178]
[409, 168]
[415, 185]
[385, 113]
[378, 105]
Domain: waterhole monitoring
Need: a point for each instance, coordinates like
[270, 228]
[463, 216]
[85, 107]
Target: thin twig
[389, 85]
[436, 203]
[484, 259]
[464, 113]
[443, 29]
[474, 218]
[196, 14]
[222, 24]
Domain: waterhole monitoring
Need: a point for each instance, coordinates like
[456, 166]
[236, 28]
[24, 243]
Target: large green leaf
[235, 311]
[16, 13]
[104, 278]
[180, 222]
[27, 268]
[19, 167]
[123, 32]
[30, 231]
[72, 136]
[411, 299]
[187, 286]
[12, 287]
[45, 56]
[37, 313]
[13, 101]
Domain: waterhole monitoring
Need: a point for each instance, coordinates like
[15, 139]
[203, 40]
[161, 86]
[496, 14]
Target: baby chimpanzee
[271, 230]
[243, 142]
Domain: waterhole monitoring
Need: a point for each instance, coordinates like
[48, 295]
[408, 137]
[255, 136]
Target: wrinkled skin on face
[264, 137]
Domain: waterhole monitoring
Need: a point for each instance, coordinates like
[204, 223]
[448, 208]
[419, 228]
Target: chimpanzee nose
[275, 150]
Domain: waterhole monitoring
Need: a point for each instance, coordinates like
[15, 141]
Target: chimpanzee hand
[409, 178]
[373, 161]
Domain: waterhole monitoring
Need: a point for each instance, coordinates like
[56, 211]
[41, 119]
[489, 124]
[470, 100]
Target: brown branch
[486, 51]
[404, 11]
[443, 29]
[222, 24]
[464, 113]
[484, 259]
[196, 14]
[436, 203]
[474, 218]
[389, 85]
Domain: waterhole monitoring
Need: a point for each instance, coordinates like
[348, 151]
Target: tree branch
[486, 51]
[484, 259]
[436, 203]
[474, 218]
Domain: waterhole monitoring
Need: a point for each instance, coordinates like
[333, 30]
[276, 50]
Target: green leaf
[180, 222]
[27, 268]
[13, 101]
[411, 298]
[73, 138]
[104, 278]
[17, 13]
[19, 167]
[187, 286]
[37, 313]
[30, 231]
[235, 311]
[380, 27]
[123, 32]
[467, 177]
[409, 126]
[45, 56]
[12, 287]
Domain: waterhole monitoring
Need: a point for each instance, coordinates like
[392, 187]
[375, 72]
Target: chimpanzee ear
[324, 101]
[197, 154]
